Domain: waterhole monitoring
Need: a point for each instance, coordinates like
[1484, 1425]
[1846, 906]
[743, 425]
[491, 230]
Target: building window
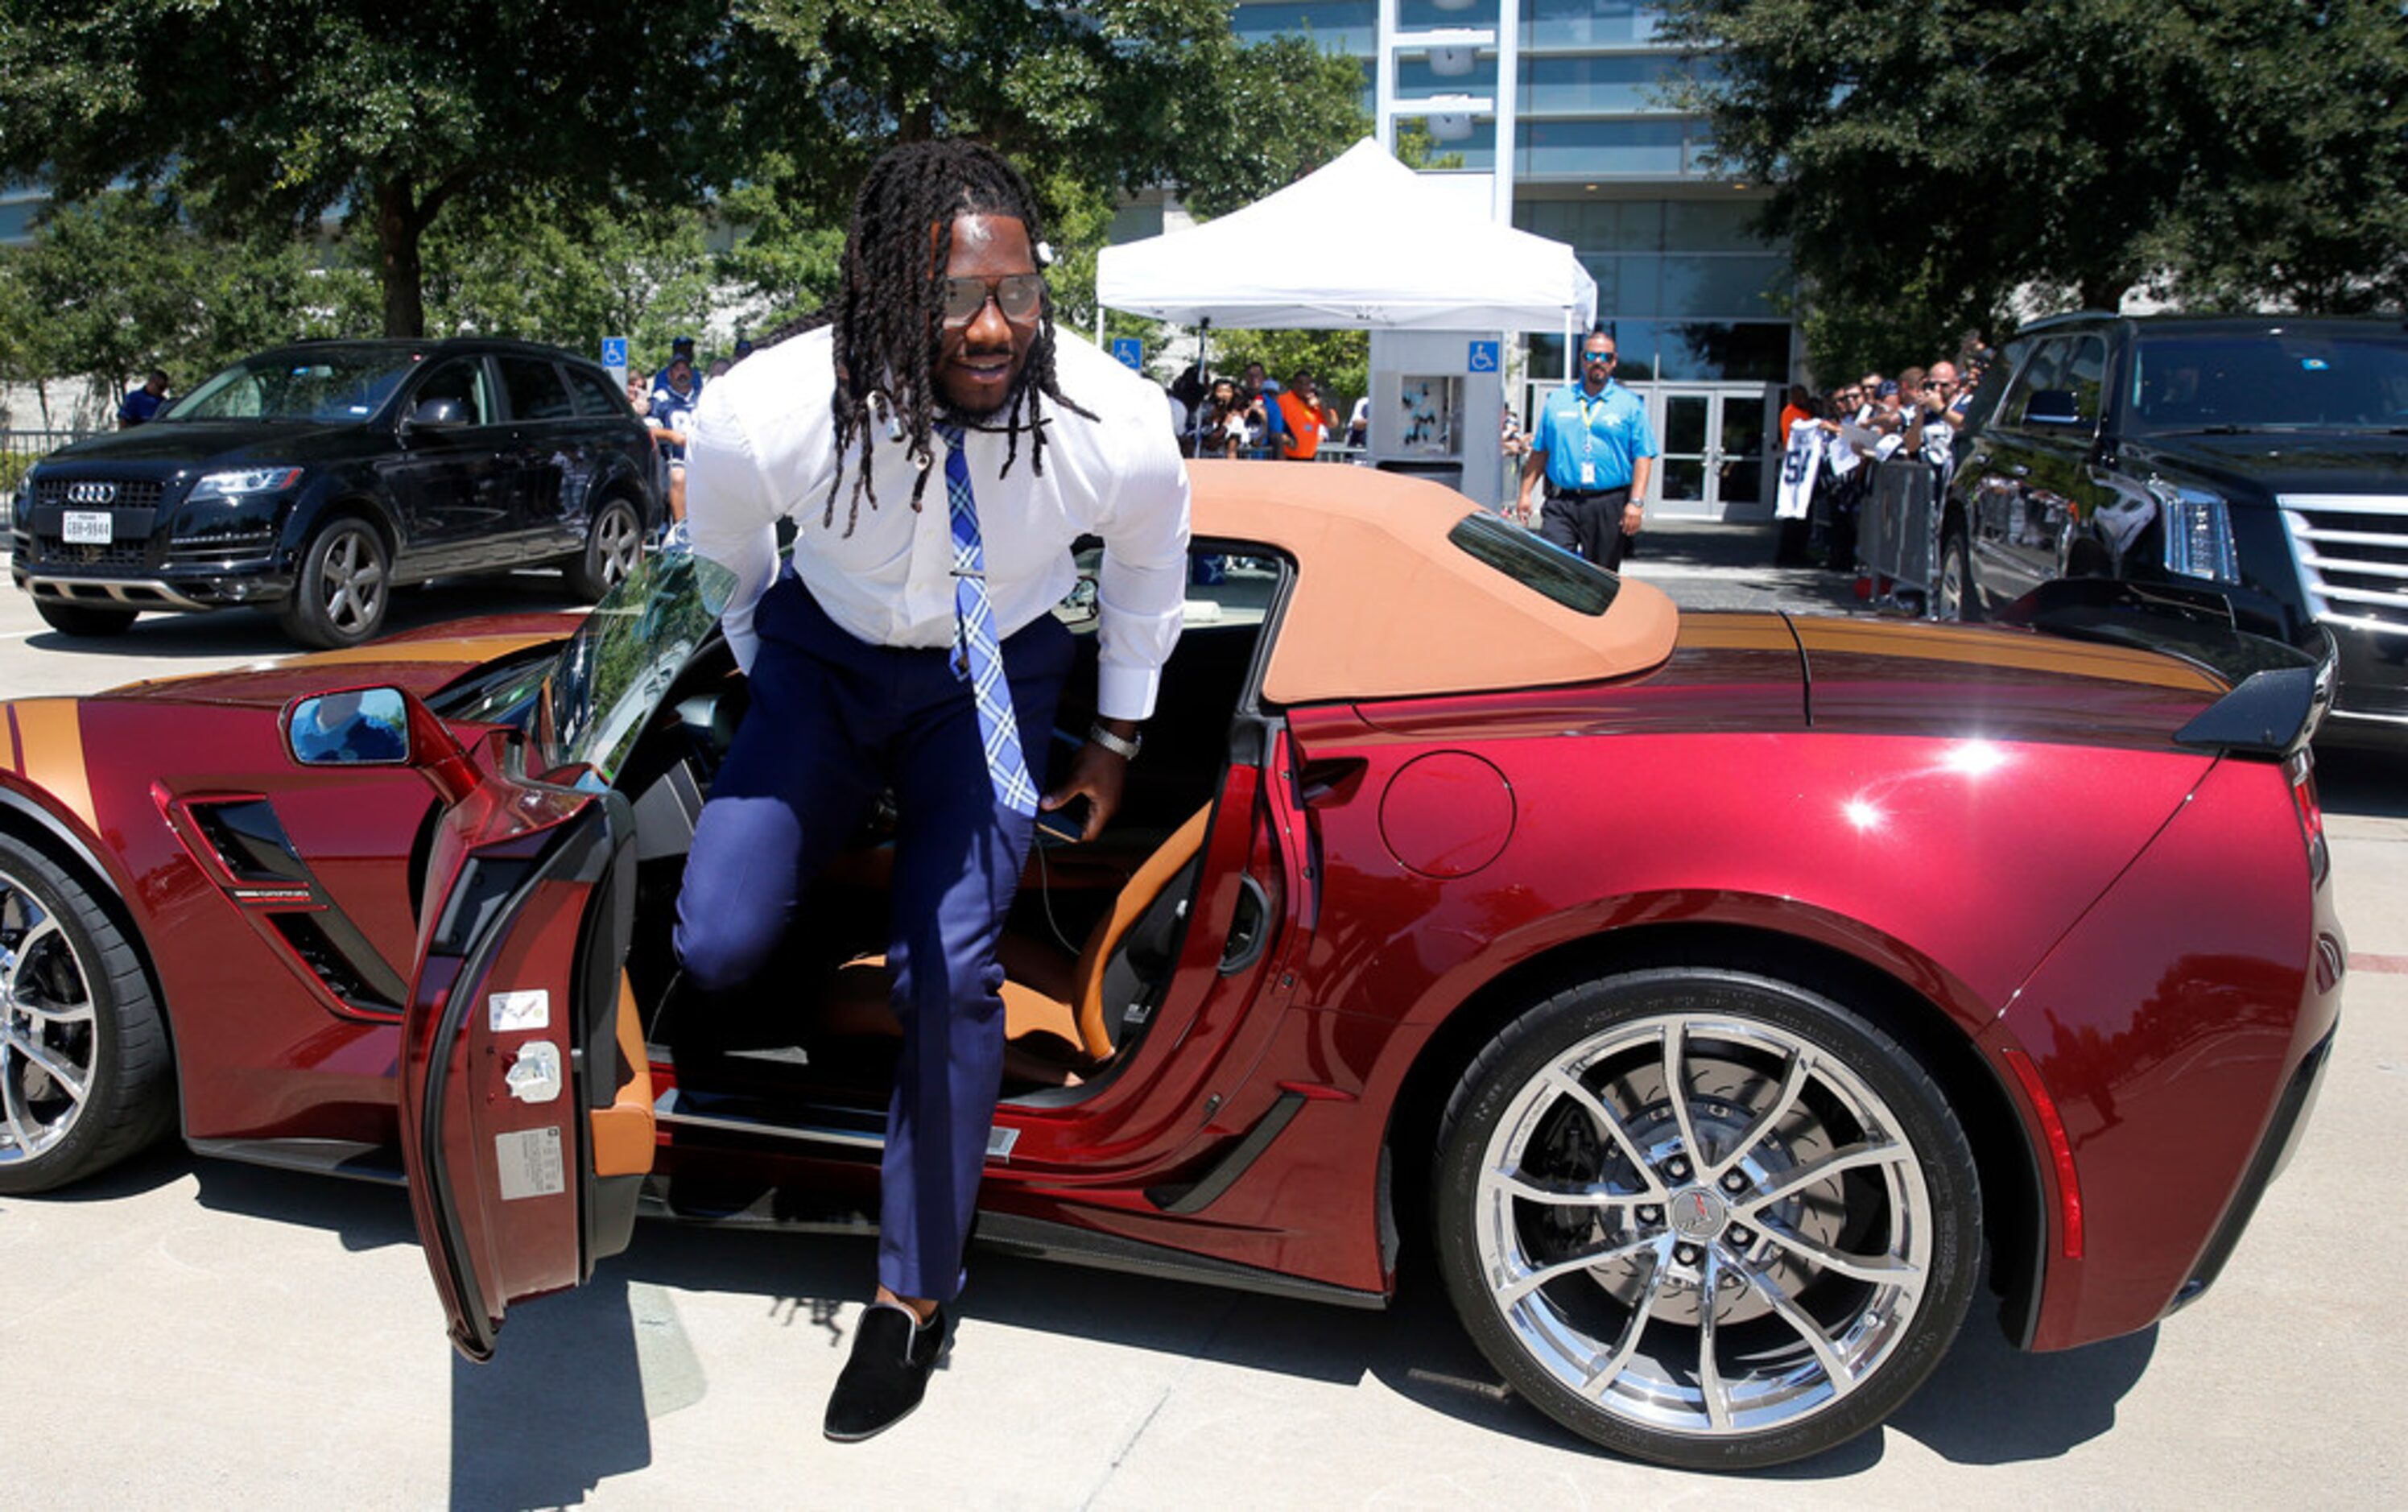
[1588, 22]
[1658, 149]
[1337, 25]
[1620, 84]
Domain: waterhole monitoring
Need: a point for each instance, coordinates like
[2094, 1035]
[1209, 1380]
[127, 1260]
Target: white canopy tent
[1365, 242]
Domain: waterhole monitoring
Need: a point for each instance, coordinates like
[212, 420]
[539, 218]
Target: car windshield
[2309, 378]
[329, 384]
[593, 701]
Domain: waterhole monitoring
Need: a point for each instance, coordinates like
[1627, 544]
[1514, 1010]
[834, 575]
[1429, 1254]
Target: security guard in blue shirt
[1593, 445]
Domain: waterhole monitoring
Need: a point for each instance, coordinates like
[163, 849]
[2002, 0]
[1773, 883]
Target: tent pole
[1203, 373]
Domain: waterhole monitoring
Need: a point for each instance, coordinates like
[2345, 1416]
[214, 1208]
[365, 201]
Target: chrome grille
[2353, 555]
[124, 493]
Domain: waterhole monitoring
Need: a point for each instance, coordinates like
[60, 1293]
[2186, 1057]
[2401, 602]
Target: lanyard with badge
[1588, 431]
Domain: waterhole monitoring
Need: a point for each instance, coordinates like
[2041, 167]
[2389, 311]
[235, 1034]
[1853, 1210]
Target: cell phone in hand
[1063, 825]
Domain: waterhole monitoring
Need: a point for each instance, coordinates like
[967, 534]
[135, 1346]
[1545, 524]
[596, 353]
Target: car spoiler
[2279, 692]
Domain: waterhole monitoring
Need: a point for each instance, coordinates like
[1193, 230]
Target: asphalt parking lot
[192, 1333]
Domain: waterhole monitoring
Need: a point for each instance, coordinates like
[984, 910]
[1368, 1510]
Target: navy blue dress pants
[834, 719]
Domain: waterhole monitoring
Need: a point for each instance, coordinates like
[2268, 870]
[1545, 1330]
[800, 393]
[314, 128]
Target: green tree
[111, 288]
[279, 112]
[545, 270]
[1340, 360]
[1111, 95]
[1933, 162]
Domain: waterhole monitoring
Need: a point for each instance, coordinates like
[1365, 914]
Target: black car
[314, 479]
[2263, 459]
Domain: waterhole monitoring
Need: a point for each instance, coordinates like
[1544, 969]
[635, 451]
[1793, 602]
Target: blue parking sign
[1484, 356]
[1129, 353]
[614, 351]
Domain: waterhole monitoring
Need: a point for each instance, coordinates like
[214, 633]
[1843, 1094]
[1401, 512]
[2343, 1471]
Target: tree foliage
[109, 289]
[272, 113]
[399, 117]
[1937, 161]
[548, 270]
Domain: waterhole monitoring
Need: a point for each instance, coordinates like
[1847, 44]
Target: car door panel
[1219, 1014]
[549, 459]
[451, 484]
[526, 1105]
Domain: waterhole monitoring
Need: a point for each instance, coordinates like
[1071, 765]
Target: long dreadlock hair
[889, 310]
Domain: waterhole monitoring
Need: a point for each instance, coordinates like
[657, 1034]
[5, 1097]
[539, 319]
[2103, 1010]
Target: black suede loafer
[893, 1354]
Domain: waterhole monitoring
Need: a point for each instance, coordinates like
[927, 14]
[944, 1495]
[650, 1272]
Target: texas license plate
[89, 528]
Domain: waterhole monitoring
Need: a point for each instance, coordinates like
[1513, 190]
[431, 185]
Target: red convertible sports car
[1729, 999]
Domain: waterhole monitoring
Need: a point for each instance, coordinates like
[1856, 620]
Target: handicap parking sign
[614, 351]
[1484, 356]
[1128, 351]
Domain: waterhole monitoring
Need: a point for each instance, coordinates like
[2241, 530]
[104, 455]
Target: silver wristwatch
[1125, 749]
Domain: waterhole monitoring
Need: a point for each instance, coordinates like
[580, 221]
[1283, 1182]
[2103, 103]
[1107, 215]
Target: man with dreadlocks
[939, 446]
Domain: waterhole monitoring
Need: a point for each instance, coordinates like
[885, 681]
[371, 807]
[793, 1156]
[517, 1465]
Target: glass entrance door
[1711, 446]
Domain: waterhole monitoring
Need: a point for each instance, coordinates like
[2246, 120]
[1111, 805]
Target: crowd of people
[1831, 441]
[1258, 416]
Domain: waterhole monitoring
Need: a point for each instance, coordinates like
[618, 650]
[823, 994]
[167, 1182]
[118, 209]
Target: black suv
[2262, 458]
[314, 479]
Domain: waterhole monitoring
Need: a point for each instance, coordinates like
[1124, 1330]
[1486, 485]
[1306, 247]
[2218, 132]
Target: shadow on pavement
[567, 1401]
[253, 632]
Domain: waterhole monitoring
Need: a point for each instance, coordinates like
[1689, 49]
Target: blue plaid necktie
[978, 654]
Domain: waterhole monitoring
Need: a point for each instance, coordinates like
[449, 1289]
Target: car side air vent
[333, 966]
[248, 840]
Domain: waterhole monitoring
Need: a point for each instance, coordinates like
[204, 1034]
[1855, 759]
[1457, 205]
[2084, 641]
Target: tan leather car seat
[1039, 995]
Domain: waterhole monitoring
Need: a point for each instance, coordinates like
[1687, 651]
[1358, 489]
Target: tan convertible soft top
[1385, 606]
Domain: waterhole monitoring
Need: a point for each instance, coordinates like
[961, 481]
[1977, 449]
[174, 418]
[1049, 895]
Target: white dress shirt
[763, 448]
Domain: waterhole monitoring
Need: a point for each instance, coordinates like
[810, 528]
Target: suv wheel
[83, 619]
[346, 581]
[615, 543]
[1952, 592]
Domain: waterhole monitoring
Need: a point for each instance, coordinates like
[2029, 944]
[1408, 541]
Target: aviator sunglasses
[1019, 295]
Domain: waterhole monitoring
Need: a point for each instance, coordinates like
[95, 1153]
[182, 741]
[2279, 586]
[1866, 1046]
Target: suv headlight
[246, 481]
[2198, 532]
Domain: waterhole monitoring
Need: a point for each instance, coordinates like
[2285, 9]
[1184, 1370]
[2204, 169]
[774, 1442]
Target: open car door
[527, 1103]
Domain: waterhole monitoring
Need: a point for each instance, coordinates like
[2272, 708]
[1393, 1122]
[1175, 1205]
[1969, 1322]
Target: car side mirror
[436, 414]
[377, 727]
[361, 726]
[2052, 407]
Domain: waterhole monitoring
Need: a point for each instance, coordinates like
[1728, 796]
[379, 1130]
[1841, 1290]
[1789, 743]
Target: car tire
[615, 543]
[84, 1068]
[344, 587]
[1952, 595]
[83, 619]
[1581, 1213]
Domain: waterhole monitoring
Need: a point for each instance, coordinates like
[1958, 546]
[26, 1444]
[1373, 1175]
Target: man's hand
[1632, 516]
[1099, 776]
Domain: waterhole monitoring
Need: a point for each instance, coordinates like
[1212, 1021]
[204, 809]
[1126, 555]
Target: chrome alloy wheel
[619, 540]
[1704, 1226]
[354, 584]
[48, 1049]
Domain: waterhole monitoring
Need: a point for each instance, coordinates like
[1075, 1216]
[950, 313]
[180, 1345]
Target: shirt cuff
[1124, 692]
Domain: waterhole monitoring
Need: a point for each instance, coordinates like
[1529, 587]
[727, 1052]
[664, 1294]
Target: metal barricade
[1893, 526]
[18, 451]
